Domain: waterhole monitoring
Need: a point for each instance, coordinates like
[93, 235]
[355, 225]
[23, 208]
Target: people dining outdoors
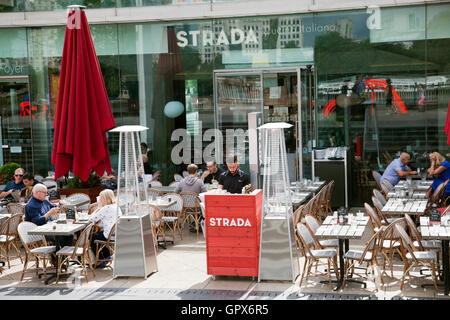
[15, 185]
[105, 216]
[212, 173]
[398, 168]
[438, 170]
[28, 180]
[191, 183]
[234, 179]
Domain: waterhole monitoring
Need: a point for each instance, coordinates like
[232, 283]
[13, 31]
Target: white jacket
[107, 217]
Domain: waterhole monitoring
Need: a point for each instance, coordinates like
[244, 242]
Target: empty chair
[379, 209]
[313, 224]
[50, 184]
[35, 246]
[379, 196]
[154, 193]
[80, 197]
[81, 249]
[14, 208]
[388, 184]
[172, 215]
[330, 189]
[177, 177]
[412, 257]
[377, 177]
[154, 184]
[315, 255]
[9, 236]
[157, 224]
[367, 256]
[390, 243]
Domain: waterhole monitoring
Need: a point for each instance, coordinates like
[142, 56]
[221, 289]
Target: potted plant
[7, 172]
[91, 187]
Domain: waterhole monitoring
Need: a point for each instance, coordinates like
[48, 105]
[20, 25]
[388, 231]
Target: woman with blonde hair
[106, 215]
[438, 170]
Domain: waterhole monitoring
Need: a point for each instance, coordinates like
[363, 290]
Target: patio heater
[278, 258]
[135, 253]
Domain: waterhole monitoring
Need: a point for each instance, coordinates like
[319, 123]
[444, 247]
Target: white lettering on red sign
[225, 222]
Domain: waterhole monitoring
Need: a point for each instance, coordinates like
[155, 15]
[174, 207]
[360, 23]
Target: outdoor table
[330, 229]
[298, 198]
[440, 233]
[4, 216]
[313, 187]
[416, 185]
[62, 229]
[415, 195]
[401, 206]
[162, 204]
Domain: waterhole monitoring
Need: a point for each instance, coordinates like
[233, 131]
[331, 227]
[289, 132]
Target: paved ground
[182, 275]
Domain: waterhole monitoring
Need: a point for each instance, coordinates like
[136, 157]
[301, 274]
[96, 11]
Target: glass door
[237, 94]
[307, 121]
[15, 122]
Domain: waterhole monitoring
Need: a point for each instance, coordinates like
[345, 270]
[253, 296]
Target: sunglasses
[18, 175]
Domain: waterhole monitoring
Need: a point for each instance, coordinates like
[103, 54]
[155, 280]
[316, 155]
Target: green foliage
[77, 183]
[7, 172]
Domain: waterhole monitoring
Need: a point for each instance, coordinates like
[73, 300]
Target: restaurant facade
[224, 60]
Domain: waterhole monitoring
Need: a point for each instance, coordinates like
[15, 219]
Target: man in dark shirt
[39, 210]
[212, 174]
[234, 179]
[12, 186]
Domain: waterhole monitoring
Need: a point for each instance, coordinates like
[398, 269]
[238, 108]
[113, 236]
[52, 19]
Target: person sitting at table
[106, 216]
[191, 183]
[28, 180]
[398, 168]
[438, 170]
[212, 174]
[234, 179]
[39, 211]
[15, 185]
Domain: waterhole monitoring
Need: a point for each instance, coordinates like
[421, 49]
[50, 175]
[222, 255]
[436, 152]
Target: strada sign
[225, 222]
[207, 37]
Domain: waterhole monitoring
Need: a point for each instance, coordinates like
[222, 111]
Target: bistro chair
[418, 242]
[438, 196]
[191, 209]
[172, 215]
[79, 196]
[328, 197]
[155, 184]
[51, 184]
[377, 177]
[446, 212]
[315, 255]
[35, 246]
[388, 184]
[81, 249]
[379, 196]
[109, 243]
[379, 209]
[411, 257]
[391, 244]
[14, 208]
[322, 210]
[38, 178]
[177, 177]
[367, 256]
[156, 216]
[375, 221]
[154, 193]
[185, 174]
[156, 175]
[26, 193]
[385, 189]
[10, 237]
[174, 184]
[313, 224]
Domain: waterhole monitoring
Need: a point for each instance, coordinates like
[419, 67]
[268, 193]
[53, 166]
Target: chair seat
[323, 253]
[356, 255]
[67, 251]
[3, 238]
[169, 219]
[387, 244]
[428, 244]
[43, 250]
[422, 255]
[329, 243]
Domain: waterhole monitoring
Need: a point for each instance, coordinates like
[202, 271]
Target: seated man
[191, 183]
[11, 186]
[212, 174]
[234, 179]
[39, 211]
[398, 168]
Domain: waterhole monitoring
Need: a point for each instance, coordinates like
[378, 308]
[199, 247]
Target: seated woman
[106, 215]
[438, 170]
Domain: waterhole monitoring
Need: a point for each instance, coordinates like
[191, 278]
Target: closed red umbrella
[83, 113]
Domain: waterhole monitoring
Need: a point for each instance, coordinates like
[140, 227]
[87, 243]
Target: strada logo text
[225, 222]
